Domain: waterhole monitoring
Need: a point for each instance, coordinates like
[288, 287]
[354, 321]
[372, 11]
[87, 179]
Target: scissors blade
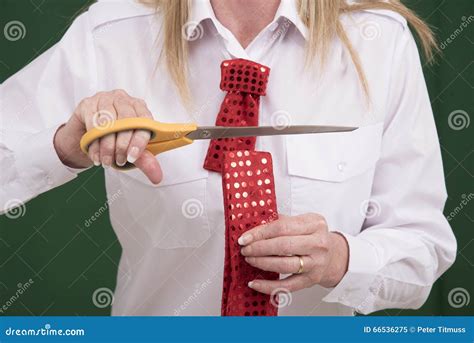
[214, 132]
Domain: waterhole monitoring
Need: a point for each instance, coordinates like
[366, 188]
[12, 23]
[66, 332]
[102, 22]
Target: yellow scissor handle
[165, 136]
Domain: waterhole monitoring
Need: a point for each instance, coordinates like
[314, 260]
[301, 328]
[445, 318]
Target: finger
[282, 265]
[292, 283]
[148, 164]
[87, 110]
[140, 138]
[304, 224]
[105, 116]
[281, 246]
[142, 109]
[124, 109]
[138, 144]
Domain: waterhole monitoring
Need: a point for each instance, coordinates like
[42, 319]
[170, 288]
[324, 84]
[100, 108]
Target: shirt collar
[288, 10]
[202, 10]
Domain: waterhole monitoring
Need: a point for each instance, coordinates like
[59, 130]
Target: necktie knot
[239, 75]
[245, 82]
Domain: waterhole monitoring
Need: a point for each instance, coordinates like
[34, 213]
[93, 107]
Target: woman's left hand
[278, 246]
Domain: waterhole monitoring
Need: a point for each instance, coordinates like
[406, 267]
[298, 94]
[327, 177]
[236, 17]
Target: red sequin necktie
[248, 185]
[244, 81]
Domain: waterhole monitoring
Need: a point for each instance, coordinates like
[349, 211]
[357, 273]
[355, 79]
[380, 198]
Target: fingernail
[106, 162]
[121, 160]
[132, 155]
[96, 160]
[249, 259]
[242, 251]
[251, 284]
[244, 239]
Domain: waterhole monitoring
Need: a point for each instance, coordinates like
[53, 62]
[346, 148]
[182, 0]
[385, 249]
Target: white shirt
[173, 234]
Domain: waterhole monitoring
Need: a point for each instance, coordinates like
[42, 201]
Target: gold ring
[300, 269]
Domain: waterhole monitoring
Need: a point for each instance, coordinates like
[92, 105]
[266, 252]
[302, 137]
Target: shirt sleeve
[406, 242]
[33, 104]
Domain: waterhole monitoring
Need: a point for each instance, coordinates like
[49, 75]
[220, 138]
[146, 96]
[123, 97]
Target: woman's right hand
[119, 148]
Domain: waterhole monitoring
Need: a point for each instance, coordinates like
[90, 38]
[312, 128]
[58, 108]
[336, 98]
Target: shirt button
[49, 181]
[341, 166]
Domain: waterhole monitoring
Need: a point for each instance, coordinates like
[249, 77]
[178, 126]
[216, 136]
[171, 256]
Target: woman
[362, 209]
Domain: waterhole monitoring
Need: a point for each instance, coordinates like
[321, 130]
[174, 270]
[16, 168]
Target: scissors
[169, 136]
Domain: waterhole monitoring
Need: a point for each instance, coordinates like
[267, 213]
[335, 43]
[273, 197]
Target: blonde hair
[321, 17]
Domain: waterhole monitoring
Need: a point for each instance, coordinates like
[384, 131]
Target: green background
[67, 261]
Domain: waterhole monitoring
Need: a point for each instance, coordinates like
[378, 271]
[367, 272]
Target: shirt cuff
[360, 285]
[38, 164]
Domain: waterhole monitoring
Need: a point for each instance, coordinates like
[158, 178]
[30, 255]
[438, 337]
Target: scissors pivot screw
[205, 134]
